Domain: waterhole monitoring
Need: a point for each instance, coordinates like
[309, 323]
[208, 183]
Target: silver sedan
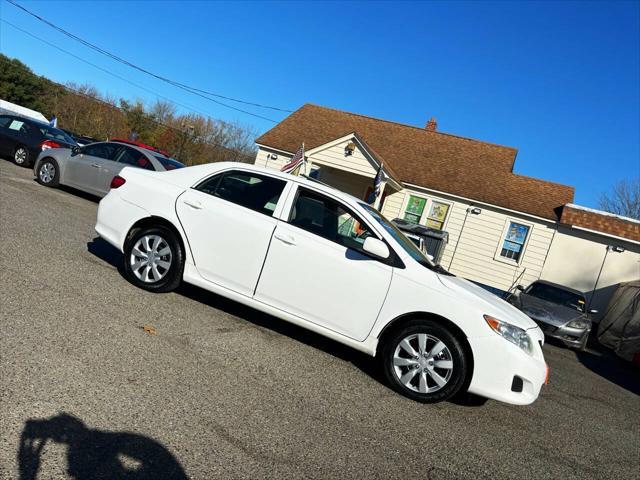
[92, 168]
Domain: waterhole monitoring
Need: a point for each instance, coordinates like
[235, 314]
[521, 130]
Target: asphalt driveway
[218, 389]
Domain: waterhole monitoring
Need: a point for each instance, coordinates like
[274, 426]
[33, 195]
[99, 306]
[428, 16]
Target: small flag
[377, 186]
[54, 122]
[296, 162]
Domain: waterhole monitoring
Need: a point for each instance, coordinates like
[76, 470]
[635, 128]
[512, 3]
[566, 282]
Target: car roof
[188, 176]
[562, 287]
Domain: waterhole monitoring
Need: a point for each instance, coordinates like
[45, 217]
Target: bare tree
[623, 199]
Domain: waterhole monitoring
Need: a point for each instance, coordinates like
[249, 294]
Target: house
[504, 229]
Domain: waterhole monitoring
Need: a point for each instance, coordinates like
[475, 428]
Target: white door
[316, 268]
[229, 221]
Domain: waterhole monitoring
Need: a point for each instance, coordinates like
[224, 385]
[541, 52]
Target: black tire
[454, 352]
[49, 177]
[171, 276]
[21, 156]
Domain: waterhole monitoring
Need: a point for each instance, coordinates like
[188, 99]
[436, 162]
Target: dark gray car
[91, 168]
[559, 311]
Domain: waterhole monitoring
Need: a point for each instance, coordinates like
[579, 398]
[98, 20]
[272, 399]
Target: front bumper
[572, 337]
[504, 372]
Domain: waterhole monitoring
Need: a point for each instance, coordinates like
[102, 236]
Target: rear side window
[135, 158]
[55, 134]
[169, 163]
[4, 121]
[329, 219]
[102, 150]
[256, 192]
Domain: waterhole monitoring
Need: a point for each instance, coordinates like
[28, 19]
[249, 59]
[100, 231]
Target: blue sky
[558, 81]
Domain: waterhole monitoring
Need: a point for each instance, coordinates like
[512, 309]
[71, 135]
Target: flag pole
[304, 160]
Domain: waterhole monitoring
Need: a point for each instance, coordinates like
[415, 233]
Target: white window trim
[427, 208]
[509, 261]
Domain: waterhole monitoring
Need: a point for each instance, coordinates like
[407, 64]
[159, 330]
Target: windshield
[557, 295]
[406, 244]
[169, 163]
[55, 134]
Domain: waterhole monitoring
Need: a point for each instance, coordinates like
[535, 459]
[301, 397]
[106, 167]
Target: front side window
[135, 158]
[514, 240]
[102, 150]
[328, 219]
[18, 126]
[256, 192]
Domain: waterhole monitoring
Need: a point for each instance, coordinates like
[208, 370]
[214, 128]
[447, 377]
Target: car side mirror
[376, 247]
[520, 287]
[593, 311]
[75, 150]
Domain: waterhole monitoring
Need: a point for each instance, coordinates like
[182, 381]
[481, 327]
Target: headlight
[579, 323]
[515, 335]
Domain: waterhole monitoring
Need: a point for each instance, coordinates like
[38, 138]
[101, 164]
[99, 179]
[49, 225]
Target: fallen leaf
[149, 329]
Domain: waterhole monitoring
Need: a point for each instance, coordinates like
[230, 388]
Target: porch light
[349, 149]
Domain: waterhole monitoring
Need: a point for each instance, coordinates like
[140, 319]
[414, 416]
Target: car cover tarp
[619, 328]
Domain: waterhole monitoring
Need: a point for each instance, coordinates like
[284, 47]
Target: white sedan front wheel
[424, 361]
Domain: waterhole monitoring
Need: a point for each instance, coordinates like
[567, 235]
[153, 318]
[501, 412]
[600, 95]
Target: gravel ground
[222, 390]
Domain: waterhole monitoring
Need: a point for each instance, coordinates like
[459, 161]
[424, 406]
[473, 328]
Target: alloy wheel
[20, 156]
[47, 172]
[423, 363]
[150, 258]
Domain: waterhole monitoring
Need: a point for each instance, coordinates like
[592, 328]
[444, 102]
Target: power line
[192, 90]
[159, 95]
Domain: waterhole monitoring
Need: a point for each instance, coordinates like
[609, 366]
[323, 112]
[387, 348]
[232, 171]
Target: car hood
[492, 304]
[548, 312]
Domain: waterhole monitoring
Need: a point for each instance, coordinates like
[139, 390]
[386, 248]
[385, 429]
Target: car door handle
[95, 165]
[288, 239]
[193, 204]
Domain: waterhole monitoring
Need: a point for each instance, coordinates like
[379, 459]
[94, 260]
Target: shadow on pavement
[368, 365]
[96, 454]
[106, 252]
[610, 367]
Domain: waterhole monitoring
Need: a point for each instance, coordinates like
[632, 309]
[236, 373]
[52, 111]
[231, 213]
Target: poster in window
[438, 211]
[416, 205]
[517, 233]
[514, 247]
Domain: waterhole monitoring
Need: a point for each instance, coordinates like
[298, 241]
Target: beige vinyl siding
[262, 159]
[477, 255]
[333, 156]
[392, 207]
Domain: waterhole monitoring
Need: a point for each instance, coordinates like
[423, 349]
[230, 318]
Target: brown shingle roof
[601, 222]
[461, 166]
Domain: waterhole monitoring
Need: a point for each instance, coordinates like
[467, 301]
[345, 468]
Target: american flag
[377, 186]
[293, 167]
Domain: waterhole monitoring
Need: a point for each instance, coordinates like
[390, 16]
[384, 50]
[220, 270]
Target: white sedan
[319, 258]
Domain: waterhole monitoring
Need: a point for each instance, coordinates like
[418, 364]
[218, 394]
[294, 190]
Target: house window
[437, 215]
[426, 212]
[414, 209]
[514, 240]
